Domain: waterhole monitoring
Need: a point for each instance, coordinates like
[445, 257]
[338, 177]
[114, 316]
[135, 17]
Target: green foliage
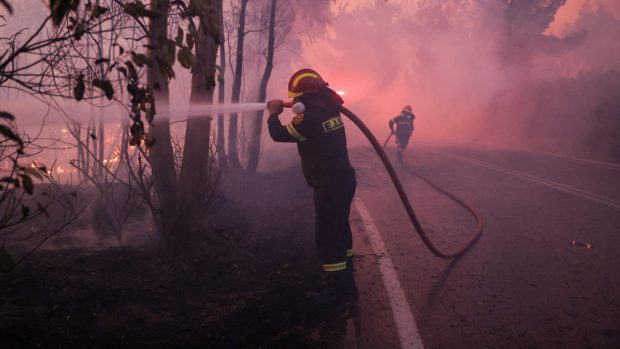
[190, 38]
[137, 9]
[105, 86]
[5, 115]
[98, 11]
[186, 58]
[179, 39]
[27, 183]
[80, 30]
[8, 133]
[61, 8]
[141, 60]
[168, 50]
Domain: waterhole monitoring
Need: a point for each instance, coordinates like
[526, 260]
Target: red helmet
[304, 81]
[407, 108]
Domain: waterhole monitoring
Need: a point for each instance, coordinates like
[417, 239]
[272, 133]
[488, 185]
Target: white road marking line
[593, 162]
[405, 323]
[546, 182]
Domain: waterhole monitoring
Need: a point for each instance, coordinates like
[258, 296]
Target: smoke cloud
[540, 75]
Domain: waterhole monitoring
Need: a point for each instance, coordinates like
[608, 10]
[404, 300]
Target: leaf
[179, 39]
[137, 129]
[80, 29]
[8, 133]
[134, 141]
[165, 69]
[133, 73]
[105, 86]
[186, 58]
[189, 38]
[150, 116]
[141, 60]
[25, 211]
[137, 9]
[7, 5]
[28, 184]
[98, 11]
[122, 70]
[149, 140]
[60, 8]
[78, 90]
[168, 51]
[31, 171]
[5, 115]
[10, 180]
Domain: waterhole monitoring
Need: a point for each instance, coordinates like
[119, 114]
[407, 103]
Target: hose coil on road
[405, 200]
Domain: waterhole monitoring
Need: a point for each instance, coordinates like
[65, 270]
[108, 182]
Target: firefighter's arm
[277, 131]
[392, 125]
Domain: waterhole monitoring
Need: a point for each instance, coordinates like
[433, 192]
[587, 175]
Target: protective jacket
[404, 124]
[320, 136]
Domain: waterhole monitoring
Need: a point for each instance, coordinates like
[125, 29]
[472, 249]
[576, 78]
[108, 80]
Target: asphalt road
[524, 284]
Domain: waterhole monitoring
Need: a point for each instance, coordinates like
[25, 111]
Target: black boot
[339, 288]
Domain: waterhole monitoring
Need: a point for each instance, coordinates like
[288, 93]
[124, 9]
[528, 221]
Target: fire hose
[405, 200]
[299, 108]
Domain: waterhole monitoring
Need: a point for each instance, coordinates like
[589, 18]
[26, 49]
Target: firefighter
[321, 142]
[404, 129]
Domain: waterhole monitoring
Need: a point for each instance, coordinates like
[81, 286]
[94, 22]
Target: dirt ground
[244, 285]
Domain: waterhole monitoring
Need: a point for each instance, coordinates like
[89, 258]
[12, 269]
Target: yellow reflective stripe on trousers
[350, 253]
[293, 132]
[335, 266]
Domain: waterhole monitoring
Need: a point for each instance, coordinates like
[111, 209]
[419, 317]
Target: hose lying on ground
[405, 200]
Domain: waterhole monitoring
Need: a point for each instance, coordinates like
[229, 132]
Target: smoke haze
[529, 74]
[540, 75]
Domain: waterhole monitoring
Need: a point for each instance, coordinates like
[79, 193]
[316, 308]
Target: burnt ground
[243, 286]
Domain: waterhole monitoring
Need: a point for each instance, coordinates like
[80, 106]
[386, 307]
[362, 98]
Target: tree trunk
[101, 141]
[255, 146]
[87, 146]
[193, 184]
[161, 155]
[221, 140]
[233, 156]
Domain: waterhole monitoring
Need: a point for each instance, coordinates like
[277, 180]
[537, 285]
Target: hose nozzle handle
[297, 108]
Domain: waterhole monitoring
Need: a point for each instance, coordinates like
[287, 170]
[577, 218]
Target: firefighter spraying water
[318, 130]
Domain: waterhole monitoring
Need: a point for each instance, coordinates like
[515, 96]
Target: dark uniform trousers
[334, 241]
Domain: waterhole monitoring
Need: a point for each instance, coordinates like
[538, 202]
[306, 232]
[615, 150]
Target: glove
[275, 106]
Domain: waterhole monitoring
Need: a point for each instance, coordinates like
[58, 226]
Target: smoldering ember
[309, 174]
